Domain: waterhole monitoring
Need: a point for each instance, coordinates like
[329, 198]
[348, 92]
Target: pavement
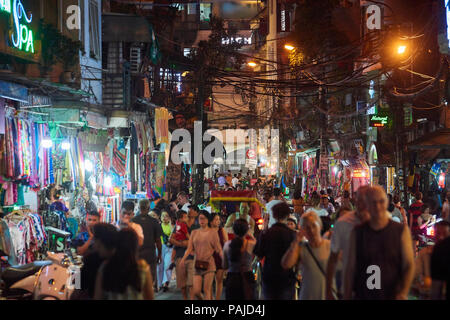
[172, 294]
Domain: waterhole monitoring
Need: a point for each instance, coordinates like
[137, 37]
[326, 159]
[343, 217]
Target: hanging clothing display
[26, 235]
[162, 125]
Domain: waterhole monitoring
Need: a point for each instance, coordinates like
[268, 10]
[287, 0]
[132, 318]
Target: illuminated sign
[240, 40]
[447, 14]
[360, 173]
[21, 36]
[378, 121]
[5, 5]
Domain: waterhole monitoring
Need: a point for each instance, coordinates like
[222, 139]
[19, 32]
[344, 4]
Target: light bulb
[88, 166]
[47, 143]
[65, 145]
[108, 182]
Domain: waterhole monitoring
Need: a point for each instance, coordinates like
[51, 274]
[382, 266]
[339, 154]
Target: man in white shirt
[340, 239]
[276, 198]
[183, 200]
[235, 181]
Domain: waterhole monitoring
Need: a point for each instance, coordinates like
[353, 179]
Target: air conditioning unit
[135, 59]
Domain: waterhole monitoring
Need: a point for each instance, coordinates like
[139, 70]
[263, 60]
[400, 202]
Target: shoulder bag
[336, 295]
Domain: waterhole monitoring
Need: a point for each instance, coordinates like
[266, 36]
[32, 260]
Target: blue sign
[13, 91]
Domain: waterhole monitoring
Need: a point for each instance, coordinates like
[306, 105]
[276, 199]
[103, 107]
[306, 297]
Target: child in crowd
[181, 232]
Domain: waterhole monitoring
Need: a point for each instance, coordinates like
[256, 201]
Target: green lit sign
[378, 121]
[22, 36]
[5, 5]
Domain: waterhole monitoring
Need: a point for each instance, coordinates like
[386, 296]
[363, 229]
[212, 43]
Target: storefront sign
[360, 173]
[240, 40]
[251, 154]
[5, 5]
[13, 91]
[378, 121]
[22, 37]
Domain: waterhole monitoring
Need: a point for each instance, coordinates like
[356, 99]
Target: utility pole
[197, 169]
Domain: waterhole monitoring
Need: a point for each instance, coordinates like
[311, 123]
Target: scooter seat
[15, 273]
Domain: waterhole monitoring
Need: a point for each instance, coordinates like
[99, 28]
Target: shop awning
[437, 140]
[385, 153]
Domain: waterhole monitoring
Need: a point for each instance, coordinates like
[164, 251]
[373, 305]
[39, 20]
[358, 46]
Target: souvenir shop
[45, 162]
[307, 168]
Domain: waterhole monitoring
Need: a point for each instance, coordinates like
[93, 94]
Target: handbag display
[201, 265]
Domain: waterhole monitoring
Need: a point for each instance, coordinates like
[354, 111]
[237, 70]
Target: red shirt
[181, 231]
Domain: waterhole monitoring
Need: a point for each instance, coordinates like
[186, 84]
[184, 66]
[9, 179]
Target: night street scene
[221, 150]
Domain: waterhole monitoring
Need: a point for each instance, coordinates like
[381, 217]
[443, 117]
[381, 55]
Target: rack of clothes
[22, 235]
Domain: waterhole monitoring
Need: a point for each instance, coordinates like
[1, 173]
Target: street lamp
[401, 49]
[289, 47]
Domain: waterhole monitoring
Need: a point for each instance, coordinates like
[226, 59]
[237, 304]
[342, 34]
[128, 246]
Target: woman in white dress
[311, 256]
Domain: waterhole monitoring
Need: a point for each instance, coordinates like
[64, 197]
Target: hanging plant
[56, 47]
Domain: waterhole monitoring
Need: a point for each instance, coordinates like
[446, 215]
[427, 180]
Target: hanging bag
[336, 295]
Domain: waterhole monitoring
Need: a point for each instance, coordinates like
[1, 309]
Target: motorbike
[51, 279]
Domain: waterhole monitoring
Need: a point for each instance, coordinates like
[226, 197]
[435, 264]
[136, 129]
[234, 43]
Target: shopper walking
[223, 237]
[340, 241]
[298, 204]
[84, 240]
[415, 210]
[275, 198]
[398, 206]
[106, 235]
[183, 201]
[152, 237]
[277, 283]
[126, 215]
[423, 280]
[237, 260]
[123, 276]
[184, 273]
[381, 254]
[312, 255]
[164, 273]
[203, 243]
[346, 202]
[440, 270]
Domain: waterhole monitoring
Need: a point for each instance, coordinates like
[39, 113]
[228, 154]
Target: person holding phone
[84, 240]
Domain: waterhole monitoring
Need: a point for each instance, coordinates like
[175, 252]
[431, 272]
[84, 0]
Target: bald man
[381, 257]
[340, 240]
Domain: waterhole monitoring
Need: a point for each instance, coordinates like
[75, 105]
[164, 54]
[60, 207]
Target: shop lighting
[65, 145]
[88, 166]
[289, 47]
[47, 143]
[252, 64]
[108, 182]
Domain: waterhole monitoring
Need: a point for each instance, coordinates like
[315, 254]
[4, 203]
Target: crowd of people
[313, 247]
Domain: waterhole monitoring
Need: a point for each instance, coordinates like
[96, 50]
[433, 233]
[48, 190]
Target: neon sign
[5, 5]
[447, 7]
[378, 121]
[22, 36]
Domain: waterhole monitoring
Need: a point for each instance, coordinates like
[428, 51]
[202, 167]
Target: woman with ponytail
[238, 256]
